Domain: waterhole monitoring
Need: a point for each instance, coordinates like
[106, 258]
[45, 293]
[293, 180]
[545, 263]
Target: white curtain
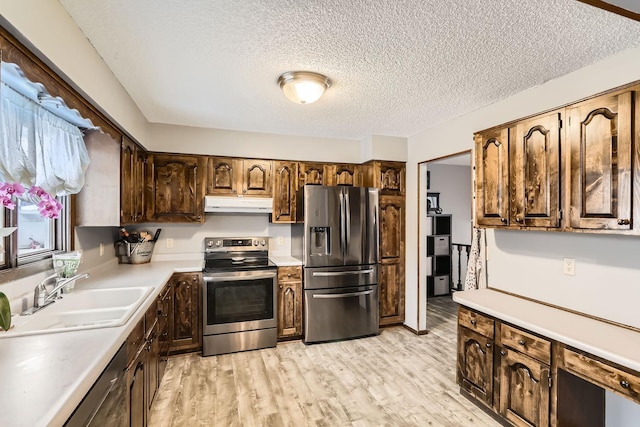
[39, 148]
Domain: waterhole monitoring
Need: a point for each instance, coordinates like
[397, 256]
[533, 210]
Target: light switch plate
[569, 266]
[169, 242]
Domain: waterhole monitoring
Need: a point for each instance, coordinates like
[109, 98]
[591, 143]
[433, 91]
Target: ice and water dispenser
[320, 244]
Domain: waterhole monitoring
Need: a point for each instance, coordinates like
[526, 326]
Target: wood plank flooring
[394, 379]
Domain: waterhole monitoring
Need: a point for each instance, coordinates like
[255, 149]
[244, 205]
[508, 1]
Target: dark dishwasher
[106, 402]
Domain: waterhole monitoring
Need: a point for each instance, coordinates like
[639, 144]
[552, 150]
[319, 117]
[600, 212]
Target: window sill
[26, 270]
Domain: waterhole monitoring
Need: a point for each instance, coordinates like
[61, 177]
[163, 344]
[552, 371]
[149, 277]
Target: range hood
[256, 205]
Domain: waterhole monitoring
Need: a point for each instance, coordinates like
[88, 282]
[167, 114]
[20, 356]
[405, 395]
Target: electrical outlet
[169, 242]
[101, 249]
[280, 240]
[569, 266]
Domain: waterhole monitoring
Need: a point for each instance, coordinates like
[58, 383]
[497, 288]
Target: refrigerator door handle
[340, 273]
[345, 295]
[343, 243]
[347, 221]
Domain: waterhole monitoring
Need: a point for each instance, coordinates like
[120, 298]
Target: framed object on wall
[433, 202]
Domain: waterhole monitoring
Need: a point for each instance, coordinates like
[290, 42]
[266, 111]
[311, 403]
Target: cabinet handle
[503, 220]
[519, 220]
[244, 190]
[502, 352]
[280, 286]
[289, 275]
[194, 278]
[473, 322]
[521, 342]
[624, 384]
[488, 345]
[624, 222]
[199, 217]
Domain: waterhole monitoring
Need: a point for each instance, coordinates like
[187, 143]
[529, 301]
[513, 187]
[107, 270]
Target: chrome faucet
[42, 297]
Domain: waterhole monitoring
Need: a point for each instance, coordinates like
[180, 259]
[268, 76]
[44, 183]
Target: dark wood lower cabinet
[185, 319]
[137, 396]
[475, 365]
[524, 389]
[289, 302]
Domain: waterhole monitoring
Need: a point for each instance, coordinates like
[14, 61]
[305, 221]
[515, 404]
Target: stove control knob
[263, 242]
[218, 243]
[255, 243]
[210, 243]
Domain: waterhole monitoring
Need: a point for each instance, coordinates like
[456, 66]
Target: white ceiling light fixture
[303, 87]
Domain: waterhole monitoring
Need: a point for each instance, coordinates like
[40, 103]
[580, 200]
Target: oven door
[239, 301]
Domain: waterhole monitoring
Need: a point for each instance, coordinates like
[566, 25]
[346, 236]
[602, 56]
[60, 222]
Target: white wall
[605, 284]
[453, 182]
[188, 239]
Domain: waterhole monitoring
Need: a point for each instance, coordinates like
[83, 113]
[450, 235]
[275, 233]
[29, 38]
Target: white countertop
[614, 343]
[44, 377]
[284, 260]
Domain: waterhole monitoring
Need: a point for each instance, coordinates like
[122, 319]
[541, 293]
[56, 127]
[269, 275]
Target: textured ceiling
[398, 66]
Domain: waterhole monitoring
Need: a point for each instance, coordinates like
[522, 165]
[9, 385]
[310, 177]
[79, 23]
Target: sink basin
[82, 309]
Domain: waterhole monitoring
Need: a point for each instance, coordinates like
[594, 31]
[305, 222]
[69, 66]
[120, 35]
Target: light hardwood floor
[394, 379]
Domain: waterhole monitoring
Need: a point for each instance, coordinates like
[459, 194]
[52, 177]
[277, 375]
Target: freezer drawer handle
[340, 273]
[345, 295]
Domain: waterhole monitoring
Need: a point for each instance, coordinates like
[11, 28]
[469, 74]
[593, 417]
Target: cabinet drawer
[134, 340]
[289, 274]
[607, 376]
[526, 343]
[476, 322]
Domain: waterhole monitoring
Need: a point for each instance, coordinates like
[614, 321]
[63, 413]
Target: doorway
[445, 227]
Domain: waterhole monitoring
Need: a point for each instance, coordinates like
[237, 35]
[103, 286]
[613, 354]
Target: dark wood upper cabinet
[222, 176]
[388, 177]
[132, 184]
[535, 172]
[175, 188]
[346, 174]
[285, 184]
[228, 176]
[312, 173]
[492, 177]
[600, 144]
[256, 177]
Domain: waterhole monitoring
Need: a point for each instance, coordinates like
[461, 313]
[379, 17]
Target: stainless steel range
[239, 295]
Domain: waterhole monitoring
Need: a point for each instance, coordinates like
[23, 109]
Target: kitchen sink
[82, 309]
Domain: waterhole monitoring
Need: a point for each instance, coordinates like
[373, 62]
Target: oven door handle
[228, 278]
[340, 273]
[344, 295]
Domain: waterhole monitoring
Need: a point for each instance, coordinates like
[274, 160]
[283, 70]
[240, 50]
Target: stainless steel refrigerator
[337, 242]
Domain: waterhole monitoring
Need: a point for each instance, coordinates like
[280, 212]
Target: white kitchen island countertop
[614, 343]
[44, 377]
[284, 260]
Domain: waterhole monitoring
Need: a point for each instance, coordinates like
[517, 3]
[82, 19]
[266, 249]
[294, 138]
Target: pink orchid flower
[5, 200]
[12, 189]
[37, 191]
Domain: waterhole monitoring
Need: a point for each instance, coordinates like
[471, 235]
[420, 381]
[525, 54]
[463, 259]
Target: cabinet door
[492, 177]
[475, 364]
[311, 173]
[389, 177]
[185, 323]
[153, 352]
[256, 177]
[127, 180]
[289, 309]
[346, 174]
[600, 147]
[391, 288]
[222, 176]
[524, 390]
[137, 396]
[139, 175]
[284, 192]
[535, 172]
[176, 188]
[391, 227]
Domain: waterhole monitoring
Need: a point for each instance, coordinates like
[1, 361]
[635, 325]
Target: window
[36, 238]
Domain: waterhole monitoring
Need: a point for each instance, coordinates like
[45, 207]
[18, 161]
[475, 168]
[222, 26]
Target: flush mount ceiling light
[303, 87]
